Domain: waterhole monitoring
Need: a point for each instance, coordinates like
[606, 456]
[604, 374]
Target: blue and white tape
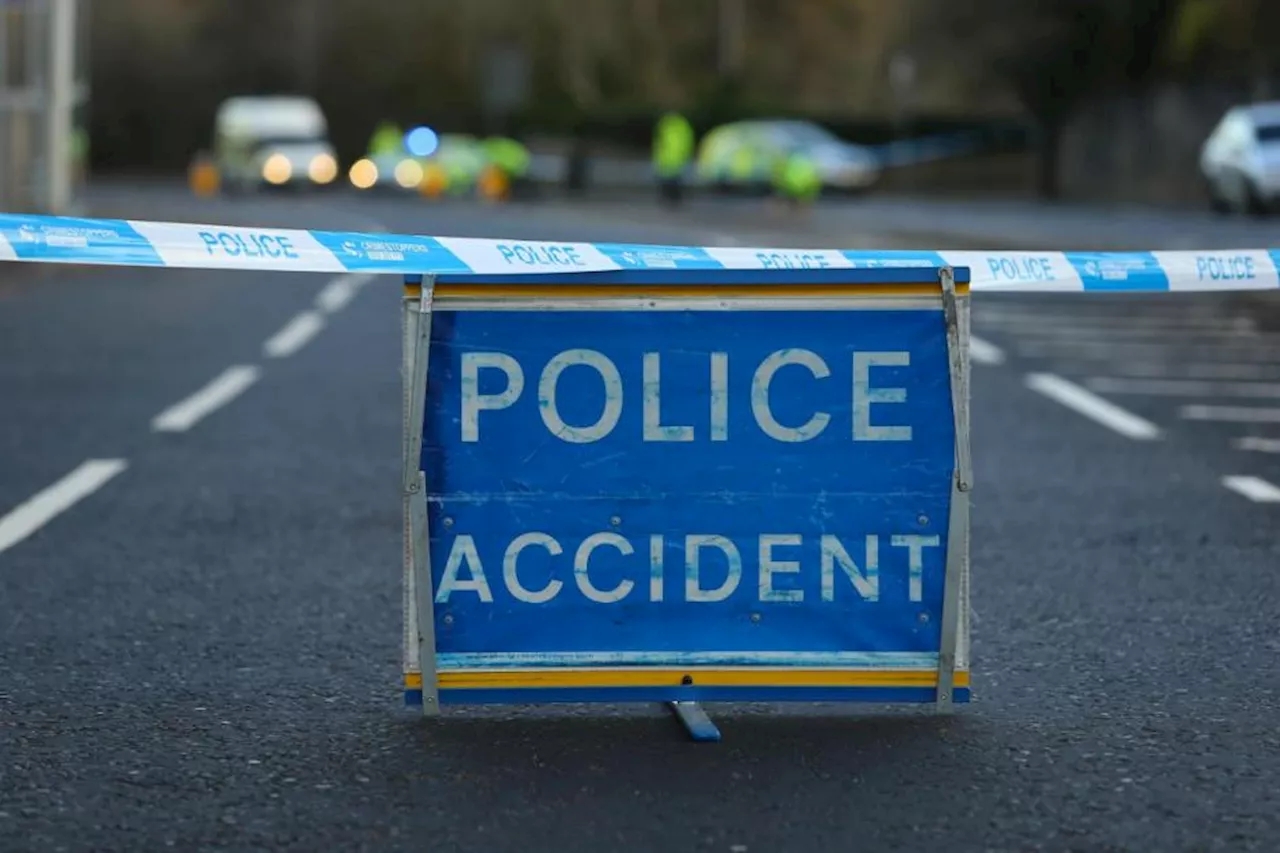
[44, 239]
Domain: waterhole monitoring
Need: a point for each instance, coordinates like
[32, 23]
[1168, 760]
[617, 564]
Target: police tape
[46, 239]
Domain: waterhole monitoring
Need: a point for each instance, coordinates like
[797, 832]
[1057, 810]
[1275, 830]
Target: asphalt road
[202, 652]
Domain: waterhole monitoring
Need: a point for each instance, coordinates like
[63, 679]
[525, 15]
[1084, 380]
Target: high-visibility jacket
[672, 145]
[798, 177]
[508, 155]
[387, 139]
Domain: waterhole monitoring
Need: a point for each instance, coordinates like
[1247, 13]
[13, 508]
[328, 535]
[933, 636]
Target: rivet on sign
[924, 519]
[448, 522]
[615, 521]
[448, 619]
[755, 617]
[924, 617]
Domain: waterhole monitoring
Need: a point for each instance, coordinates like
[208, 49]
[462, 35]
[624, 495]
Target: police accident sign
[740, 498]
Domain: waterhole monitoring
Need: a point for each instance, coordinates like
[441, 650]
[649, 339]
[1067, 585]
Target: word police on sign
[648, 393]
[754, 501]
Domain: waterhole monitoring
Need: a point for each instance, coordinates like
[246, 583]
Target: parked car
[746, 155]
[272, 141]
[1240, 161]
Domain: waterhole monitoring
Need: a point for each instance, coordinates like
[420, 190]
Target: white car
[272, 141]
[1240, 161]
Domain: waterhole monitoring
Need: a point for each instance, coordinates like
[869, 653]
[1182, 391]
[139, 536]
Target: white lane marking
[1255, 489]
[1242, 351]
[1092, 406]
[1060, 319]
[1257, 444]
[337, 293]
[1100, 334]
[984, 352]
[44, 506]
[1183, 387]
[1231, 414]
[1224, 370]
[294, 335]
[226, 387]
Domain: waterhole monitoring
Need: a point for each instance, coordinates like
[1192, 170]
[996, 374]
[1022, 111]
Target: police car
[453, 166]
[272, 141]
[1240, 161]
[746, 155]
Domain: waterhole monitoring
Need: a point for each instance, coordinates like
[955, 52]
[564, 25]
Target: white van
[272, 141]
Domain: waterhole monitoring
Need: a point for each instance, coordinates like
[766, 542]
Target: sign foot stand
[695, 721]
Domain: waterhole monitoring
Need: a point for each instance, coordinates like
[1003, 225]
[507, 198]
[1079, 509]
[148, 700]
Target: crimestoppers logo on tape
[867, 259]
[390, 253]
[75, 240]
[1119, 271]
[659, 257]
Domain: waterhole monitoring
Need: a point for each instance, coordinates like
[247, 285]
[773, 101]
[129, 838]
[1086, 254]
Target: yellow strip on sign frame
[559, 677]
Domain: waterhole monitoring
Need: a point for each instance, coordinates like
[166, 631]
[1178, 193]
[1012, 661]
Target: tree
[1238, 37]
[1051, 54]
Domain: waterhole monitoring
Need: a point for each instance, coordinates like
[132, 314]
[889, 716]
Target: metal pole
[306, 17]
[60, 103]
[730, 34]
[6, 116]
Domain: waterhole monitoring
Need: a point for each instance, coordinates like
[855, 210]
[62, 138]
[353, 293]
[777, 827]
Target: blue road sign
[639, 504]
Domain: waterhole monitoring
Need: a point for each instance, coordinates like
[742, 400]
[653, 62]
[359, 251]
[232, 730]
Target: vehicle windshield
[1268, 133]
[803, 133]
[276, 139]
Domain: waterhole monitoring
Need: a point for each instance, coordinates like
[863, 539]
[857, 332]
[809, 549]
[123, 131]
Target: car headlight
[277, 170]
[323, 168]
[364, 174]
[408, 173]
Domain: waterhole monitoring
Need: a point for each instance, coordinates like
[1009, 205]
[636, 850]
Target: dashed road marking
[984, 352]
[1017, 320]
[1092, 406]
[226, 387]
[340, 291]
[1232, 351]
[1183, 387]
[1257, 444]
[1245, 372]
[1102, 333]
[1231, 414]
[1255, 489]
[294, 335]
[47, 504]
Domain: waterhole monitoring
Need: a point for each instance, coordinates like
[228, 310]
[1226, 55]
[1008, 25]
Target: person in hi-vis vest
[387, 141]
[672, 150]
[797, 179]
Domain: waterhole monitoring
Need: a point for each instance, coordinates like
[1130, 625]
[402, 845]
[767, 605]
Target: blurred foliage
[1052, 55]
[604, 69]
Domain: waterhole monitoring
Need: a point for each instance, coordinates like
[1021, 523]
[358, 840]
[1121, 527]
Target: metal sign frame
[942, 287]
